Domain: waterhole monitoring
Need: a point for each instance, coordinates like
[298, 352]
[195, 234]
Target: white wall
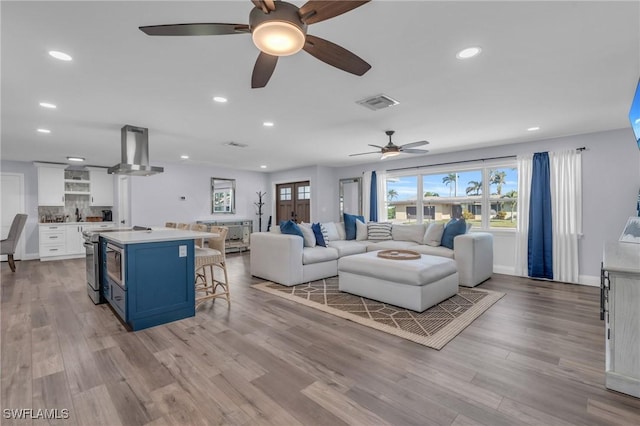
[157, 199]
[611, 180]
[30, 233]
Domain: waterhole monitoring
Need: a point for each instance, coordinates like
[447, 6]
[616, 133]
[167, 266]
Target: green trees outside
[451, 180]
[431, 194]
[474, 187]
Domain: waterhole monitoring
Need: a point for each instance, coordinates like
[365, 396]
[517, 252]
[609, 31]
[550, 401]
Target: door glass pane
[285, 194]
[304, 193]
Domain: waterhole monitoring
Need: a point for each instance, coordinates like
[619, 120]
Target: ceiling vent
[236, 144]
[377, 102]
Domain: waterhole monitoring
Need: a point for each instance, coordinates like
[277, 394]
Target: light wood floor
[535, 357]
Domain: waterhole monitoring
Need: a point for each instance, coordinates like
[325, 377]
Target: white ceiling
[568, 67]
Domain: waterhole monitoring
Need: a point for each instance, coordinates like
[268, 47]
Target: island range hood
[135, 153]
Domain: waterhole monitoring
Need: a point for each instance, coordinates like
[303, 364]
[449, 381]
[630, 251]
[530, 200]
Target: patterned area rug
[434, 327]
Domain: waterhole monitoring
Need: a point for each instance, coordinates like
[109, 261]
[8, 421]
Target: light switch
[182, 252]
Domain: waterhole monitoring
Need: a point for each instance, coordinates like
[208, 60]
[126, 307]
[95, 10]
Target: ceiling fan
[391, 149]
[279, 29]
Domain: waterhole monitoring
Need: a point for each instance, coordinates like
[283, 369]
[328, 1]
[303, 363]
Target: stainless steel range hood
[135, 153]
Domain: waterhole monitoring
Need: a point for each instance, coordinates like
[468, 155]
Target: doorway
[12, 187]
[293, 201]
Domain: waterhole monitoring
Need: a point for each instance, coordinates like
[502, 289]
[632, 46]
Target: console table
[238, 237]
[620, 308]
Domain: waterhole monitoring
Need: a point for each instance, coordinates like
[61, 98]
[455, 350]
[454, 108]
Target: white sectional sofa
[283, 259]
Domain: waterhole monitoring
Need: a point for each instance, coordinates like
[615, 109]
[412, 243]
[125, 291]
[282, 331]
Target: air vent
[236, 144]
[377, 102]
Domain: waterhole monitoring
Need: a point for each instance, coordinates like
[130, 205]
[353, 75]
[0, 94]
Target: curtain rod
[464, 161]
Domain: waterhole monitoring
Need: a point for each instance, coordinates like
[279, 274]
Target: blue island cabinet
[158, 284]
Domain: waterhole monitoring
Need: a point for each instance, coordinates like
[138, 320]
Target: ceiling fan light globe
[389, 154]
[278, 38]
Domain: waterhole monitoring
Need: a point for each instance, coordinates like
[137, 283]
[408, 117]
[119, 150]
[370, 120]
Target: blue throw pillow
[350, 225]
[291, 228]
[317, 231]
[452, 229]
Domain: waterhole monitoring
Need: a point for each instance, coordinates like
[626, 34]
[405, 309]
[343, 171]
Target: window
[285, 194]
[402, 195]
[304, 193]
[485, 196]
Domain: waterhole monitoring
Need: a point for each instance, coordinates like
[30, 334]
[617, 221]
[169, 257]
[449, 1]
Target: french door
[293, 201]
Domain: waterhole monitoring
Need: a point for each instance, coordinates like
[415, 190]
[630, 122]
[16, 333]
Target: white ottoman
[411, 284]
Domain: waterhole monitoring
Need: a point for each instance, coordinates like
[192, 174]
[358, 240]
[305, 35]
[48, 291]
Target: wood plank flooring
[536, 357]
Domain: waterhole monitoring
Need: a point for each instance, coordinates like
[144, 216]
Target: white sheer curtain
[566, 208]
[522, 224]
[366, 195]
[381, 180]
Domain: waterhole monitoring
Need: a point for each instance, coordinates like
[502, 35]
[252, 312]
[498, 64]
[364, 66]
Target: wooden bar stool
[199, 227]
[170, 225]
[207, 260]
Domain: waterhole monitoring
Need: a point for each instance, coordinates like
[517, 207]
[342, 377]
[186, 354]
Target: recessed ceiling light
[219, 99]
[184, 157]
[268, 124]
[533, 129]
[60, 55]
[75, 159]
[44, 130]
[469, 52]
[48, 105]
[263, 166]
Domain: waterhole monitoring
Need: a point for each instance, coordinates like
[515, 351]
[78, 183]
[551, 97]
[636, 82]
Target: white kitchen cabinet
[620, 307]
[101, 187]
[74, 243]
[50, 186]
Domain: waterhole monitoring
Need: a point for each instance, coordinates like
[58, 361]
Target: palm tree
[514, 196]
[474, 187]
[431, 194]
[392, 194]
[451, 179]
[498, 179]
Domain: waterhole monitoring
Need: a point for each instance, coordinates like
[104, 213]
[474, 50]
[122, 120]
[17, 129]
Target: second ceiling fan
[279, 29]
[391, 149]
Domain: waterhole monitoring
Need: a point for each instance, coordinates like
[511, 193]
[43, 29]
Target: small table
[412, 284]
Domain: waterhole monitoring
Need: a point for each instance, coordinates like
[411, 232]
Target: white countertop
[155, 235]
[621, 257]
[75, 223]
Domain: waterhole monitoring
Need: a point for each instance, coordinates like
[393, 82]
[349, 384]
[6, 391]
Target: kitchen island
[148, 276]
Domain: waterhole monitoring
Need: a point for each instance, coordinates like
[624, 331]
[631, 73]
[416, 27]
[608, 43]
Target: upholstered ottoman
[413, 284]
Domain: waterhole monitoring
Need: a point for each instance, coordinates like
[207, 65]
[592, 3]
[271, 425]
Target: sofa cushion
[362, 232]
[342, 235]
[379, 231]
[434, 251]
[307, 234]
[433, 234]
[452, 229]
[347, 248]
[318, 254]
[413, 233]
[317, 232]
[332, 232]
[350, 224]
[391, 245]
[291, 228]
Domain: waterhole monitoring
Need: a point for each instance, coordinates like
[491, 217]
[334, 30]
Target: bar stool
[184, 226]
[207, 286]
[199, 227]
[170, 225]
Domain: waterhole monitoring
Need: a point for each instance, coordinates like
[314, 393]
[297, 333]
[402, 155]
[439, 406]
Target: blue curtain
[373, 199]
[540, 252]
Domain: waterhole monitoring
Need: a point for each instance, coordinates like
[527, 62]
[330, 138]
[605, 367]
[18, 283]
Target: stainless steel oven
[116, 264]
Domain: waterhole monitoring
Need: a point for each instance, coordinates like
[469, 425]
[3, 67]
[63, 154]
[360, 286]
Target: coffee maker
[107, 216]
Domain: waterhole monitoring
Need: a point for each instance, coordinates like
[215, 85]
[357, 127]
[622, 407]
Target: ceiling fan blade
[195, 29]
[263, 69]
[414, 144]
[319, 10]
[335, 55]
[265, 5]
[414, 151]
[365, 153]
[376, 146]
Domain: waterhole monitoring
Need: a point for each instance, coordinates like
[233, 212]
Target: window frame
[484, 166]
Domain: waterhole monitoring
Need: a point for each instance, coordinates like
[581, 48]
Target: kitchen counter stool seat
[206, 262]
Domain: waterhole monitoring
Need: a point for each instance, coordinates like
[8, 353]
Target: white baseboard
[588, 280]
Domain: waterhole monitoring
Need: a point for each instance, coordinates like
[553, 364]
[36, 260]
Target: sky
[634, 114]
[406, 186]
